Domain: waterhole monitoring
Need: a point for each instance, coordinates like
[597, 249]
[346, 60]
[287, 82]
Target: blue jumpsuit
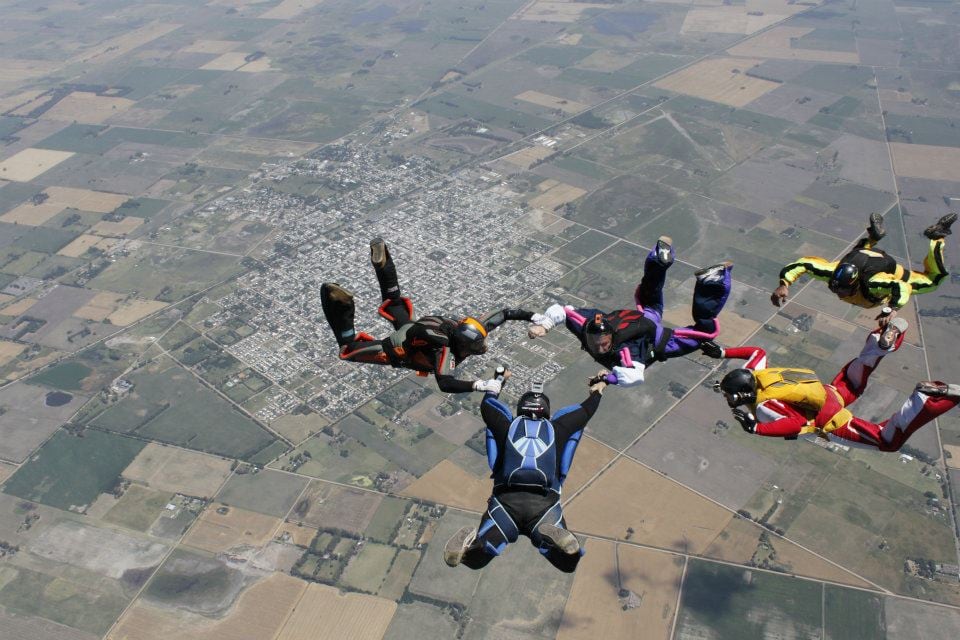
[529, 460]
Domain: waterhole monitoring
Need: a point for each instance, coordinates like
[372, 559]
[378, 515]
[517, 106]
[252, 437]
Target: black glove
[746, 419]
[711, 349]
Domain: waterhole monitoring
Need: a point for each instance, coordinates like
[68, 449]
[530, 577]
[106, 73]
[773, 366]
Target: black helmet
[739, 387]
[471, 337]
[844, 280]
[598, 335]
[535, 405]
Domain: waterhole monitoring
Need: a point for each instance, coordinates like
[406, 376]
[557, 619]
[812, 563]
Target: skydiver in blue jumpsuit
[628, 341]
[530, 456]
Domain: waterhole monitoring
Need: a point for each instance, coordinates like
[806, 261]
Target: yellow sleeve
[817, 268]
[883, 285]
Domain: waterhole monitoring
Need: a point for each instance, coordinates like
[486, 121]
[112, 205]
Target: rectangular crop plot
[70, 472]
[720, 601]
[368, 568]
[30, 163]
[170, 405]
[852, 615]
[266, 491]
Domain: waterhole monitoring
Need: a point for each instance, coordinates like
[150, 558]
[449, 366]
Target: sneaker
[713, 273]
[876, 230]
[892, 332]
[664, 250]
[378, 252]
[458, 545]
[941, 228]
[560, 538]
[938, 389]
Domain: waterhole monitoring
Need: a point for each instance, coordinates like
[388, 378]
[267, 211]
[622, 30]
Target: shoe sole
[715, 267]
[336, 293]
[378, 252]
[876, 230]
[560, 538]
[457, 546]
[941, 228]
[938, 390]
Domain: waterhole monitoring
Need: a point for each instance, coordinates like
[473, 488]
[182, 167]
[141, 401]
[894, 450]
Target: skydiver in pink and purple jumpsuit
[627, 341]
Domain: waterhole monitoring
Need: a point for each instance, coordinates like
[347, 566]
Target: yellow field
[591, 456]
[953, 460]
[525, 158]
[121, 45]
[449, 484]
[84, 199]
[132, 310]
[776, 43]
[211, 46]
[116, 229]
[88, 108]
[661, 512]
[552, 102]
[289, 9]
[926, 161]
[16, 102]
[571, 38]
[804, 563]
[83, 242]
[227, 62]
[9, 351]
[178, 470]
[30, 163]
[594, 609]
[258, 65]
[260, 612]
[737, 19]
[16, 70]
[736, 543]
[100, 306]
[556, 11]
[18, 307]
[6, 470]
[722, 80]
[556, 195]
[301, 536]
[323, 613]
[31, 214]
[217, 532]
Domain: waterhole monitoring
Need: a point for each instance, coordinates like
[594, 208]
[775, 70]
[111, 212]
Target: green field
[165, 274]
[853, 615]
[169, 405]
[725, 602]
[66, 376]
[71, 472]
[138, 508]
[368, 568]
[266, 491]
[386, 519]
[69, 603]
[456, 107]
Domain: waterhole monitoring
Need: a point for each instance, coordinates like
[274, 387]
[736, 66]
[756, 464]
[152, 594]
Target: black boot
[876, 230]
[385, 269]
[339, 309]
[941, 228]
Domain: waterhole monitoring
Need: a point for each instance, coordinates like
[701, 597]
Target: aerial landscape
[184, 455]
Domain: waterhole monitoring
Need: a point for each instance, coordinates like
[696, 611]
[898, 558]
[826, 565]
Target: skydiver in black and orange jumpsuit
[431, 344]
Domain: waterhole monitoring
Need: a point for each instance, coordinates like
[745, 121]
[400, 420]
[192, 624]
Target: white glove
[542, 320]
[490, 386]
[627, 376]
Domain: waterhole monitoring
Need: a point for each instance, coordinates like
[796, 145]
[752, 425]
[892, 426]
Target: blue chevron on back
[529, 456]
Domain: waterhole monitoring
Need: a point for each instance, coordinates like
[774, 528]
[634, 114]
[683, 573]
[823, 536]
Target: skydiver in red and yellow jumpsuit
[788, 403]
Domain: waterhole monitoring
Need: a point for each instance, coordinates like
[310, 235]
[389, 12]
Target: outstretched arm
[756, 357]
[497, 417]
[814, 266]
[493, 320]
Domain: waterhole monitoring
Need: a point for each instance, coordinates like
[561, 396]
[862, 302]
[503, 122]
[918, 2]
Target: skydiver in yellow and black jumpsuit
[867, 276]
[430, 344]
